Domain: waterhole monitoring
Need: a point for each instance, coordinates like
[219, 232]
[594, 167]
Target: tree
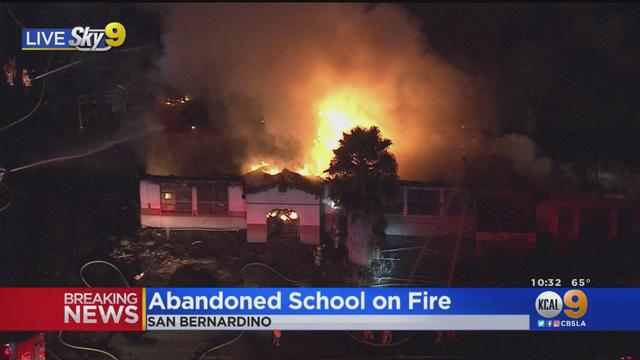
[363, 177]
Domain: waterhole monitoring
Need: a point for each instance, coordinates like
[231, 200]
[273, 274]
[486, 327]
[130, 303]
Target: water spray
[104, 147]
[58, 69]
[4, 172]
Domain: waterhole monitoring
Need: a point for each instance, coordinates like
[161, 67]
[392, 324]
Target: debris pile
[156, 261]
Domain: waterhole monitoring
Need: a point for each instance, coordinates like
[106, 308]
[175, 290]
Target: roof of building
[217, 177]
[421, 183]
[258, 180]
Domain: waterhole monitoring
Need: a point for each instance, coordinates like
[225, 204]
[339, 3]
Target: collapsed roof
[258, 180]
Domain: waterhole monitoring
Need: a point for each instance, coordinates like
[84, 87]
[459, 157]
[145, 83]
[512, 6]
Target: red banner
[83, 309]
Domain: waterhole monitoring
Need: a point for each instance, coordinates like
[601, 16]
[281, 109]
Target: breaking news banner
[120, 309]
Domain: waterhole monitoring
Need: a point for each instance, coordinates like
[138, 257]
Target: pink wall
[237, 204]
[149, 195]
[151, 215]
[307, 206]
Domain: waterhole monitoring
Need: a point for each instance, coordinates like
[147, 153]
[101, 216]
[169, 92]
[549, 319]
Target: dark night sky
[570, 69]
[565, 74]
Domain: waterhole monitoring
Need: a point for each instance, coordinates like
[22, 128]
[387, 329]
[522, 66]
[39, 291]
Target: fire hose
[96, 262]
[403, 340]
[217, 347]
[299, 282]
[35, 108]
[122, 277]
[87, 348]
[222, 345]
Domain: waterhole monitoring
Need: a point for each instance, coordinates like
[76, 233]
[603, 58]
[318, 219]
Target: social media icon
[556, 323]
[541, 323]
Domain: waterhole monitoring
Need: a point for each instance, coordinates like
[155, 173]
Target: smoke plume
[282, 80]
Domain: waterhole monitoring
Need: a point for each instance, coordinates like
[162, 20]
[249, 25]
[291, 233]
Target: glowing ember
[173, 102]
[265, 167]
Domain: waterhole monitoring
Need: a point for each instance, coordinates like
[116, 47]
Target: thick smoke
[523, 153]
[275, 67]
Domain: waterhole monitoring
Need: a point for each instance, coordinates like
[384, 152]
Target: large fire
[289, 80]
[334, 115]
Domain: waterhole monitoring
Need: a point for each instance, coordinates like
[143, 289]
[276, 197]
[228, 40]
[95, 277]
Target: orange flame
[265, 167]
[335, 114]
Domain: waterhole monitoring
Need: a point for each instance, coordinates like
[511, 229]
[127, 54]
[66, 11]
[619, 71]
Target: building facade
[245, 203]
[492, 219]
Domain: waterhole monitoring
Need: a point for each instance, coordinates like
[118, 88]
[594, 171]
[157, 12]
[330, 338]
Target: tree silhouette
[363, 176]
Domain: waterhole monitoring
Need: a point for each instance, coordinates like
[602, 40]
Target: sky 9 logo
[549, 304]
[88, 39]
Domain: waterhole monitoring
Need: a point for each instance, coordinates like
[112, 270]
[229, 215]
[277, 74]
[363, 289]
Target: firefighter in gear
[367, 335]
[386, 337]
[26, 79]
[276, 337]
[10, 72]
[318, 255]
[336, 236]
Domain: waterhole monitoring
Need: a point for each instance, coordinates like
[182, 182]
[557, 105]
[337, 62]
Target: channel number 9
[576, 302]
[115, 33]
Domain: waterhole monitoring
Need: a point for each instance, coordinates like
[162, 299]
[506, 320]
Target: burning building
[288, 205]
[234, 203]
[259, 202]
[282, 97]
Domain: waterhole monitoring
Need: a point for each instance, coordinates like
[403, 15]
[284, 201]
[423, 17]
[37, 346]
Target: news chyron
[410, 309]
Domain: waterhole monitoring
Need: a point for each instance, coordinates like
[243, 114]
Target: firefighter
[26, 79]
[318, 255]
[386, 337]
[367, 335]
[440, 336]
[10, 71]
[336, 236]
[276, 337]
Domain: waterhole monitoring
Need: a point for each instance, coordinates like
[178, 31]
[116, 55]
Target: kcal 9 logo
[549, 304]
